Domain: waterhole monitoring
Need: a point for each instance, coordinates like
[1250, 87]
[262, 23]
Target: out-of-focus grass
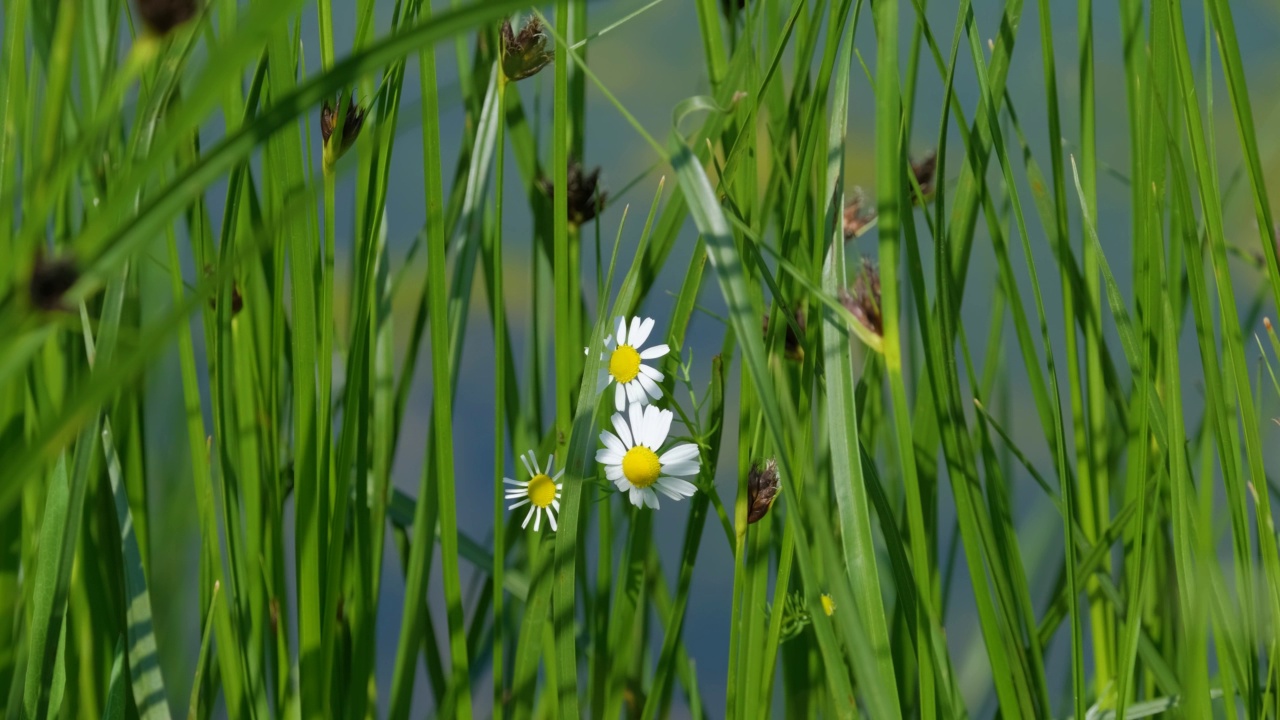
[897, 465]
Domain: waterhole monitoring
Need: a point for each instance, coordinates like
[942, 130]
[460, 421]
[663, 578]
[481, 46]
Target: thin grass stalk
[888, 184]
[424, 521]
[1095, 487]
[1238, 396]
[500, 351]
[563, 598]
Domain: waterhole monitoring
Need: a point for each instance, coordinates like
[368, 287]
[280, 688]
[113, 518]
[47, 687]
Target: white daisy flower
[636, 382]
[541, 492]
[631, 460]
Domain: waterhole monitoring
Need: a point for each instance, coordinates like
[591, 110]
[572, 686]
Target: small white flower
[636, 382]
[541, 492]
[632, 463]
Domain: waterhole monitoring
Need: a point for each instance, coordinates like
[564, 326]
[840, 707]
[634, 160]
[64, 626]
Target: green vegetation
[206, 319]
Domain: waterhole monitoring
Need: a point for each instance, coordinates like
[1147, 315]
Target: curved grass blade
[194, 706]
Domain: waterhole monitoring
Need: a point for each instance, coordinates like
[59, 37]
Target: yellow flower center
[624, 364]
[641, 466]
[542, 490]
[828, 605]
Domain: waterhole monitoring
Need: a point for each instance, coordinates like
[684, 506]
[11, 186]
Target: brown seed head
[524, 54]
[795, 343]
[237, 301]
[162, 16]
[924, 170]
[586, 197]
[350, 127]
[864, 299]
[50, 280]
[858, 214]
[762, 488]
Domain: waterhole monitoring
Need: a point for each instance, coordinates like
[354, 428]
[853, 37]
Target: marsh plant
[335, 383]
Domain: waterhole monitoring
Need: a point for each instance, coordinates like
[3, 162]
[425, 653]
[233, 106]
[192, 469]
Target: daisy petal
[527, 466]
[551, 518]
[684, 451]
[614, 472]
[683, 468]
[635, 393]
[608, 457]
[637, 498]
[641, 333]
[637, 421]
[537, 520]
[659, 427]
[622, 331]
[622, 484]
[519, 504]
[649, 386]
[668, 491]
[650, 497]
[525, 524]
[612, 443]
[624, 430]
[654, 375]
[619, 398]
[676, 485]
[551, 462]
[633, 333]
[517, 483]
[655, 352]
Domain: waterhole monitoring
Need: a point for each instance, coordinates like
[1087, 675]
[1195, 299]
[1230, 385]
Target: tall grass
[209, 320]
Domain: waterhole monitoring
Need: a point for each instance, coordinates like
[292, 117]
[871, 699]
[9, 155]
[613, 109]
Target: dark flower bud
[924, 170]
[524, 54]
[50, 280]
[586, 197]
[762, 488]
[864, 300]
[350, 127]
[237, 301]
[795, 343]
[162, 16]
[732, 7]
[858, 214]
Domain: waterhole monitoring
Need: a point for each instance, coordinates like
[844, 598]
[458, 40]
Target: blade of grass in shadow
[113, 709]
